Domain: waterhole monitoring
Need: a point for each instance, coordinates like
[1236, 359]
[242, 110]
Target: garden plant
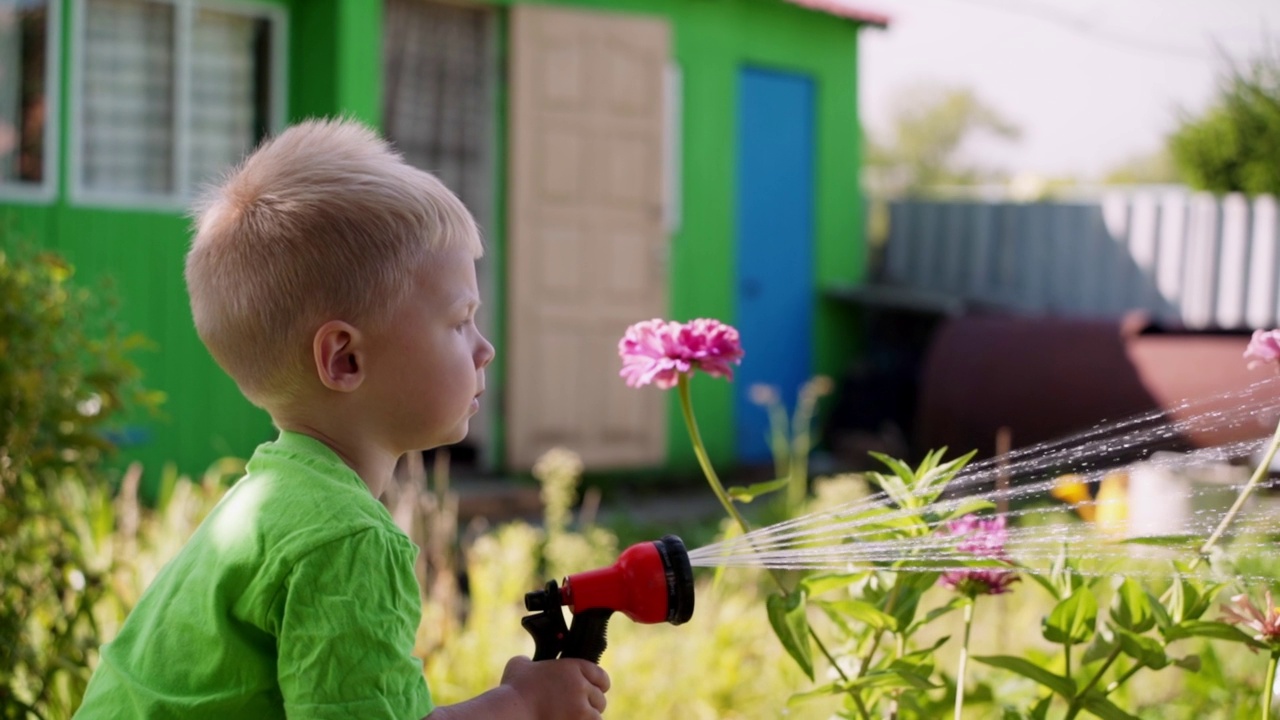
[983, 633]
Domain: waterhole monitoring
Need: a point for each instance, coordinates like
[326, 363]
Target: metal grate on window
[439, 93]
[128, 94]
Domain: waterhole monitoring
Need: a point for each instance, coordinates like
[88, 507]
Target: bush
[65, 378]
[1235, 145]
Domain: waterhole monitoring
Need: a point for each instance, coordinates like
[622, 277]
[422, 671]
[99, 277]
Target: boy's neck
[372, 463]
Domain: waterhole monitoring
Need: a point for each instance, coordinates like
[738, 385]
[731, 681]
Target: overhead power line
[1089, 28]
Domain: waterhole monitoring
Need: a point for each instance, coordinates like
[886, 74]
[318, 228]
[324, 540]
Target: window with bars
[440, 65]
[27, 53]
[172, 93]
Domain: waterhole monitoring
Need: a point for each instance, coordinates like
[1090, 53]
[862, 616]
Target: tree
[1234, 146]
[930, 127]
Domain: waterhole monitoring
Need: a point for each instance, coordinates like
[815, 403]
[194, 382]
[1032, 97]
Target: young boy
[336, 285]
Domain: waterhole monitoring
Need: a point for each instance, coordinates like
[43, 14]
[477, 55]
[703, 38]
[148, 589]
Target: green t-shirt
[295, 598]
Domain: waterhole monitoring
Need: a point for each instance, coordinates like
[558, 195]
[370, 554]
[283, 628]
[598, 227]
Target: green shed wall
[335, 66]
[712, 41]
[140, 252]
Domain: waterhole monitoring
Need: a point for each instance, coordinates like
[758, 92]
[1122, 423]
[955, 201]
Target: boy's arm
[345, 622]
[547, 690]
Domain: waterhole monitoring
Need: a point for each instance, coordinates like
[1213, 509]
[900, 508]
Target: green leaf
[899, 468]
[923, 656]
[1207, 593]
[895, 489]
[1102, 645]
[1064, 686]
[1146, 651]
[1174, 541]
[1210, 629]
[791, 625]
[1064, 576]
[1044, 582]
[1190, 663]
[751, 492]
[967, 507]
[1040, 711]
[861, 611]
[819, 692]
[1105, 709]
[934, 614]
[894, 678]
[1131, 608]
[819, 584]
[1158, 611]
[1190, 599]
[1073, 620]
[911, 588]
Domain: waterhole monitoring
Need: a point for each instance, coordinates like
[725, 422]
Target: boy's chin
[459, 433]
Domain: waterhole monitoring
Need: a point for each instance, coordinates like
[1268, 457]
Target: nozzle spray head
[651, 582]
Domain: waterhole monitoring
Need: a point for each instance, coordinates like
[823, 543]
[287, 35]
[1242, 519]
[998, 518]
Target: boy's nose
[485, 356]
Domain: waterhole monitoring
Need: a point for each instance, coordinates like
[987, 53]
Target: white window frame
[185, 11]
[47, 190]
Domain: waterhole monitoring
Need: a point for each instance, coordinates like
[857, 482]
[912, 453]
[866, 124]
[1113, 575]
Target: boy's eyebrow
[468, 304]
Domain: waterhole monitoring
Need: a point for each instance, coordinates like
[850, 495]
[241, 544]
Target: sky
[1090, 83]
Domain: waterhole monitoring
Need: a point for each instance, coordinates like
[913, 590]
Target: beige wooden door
[587, 244]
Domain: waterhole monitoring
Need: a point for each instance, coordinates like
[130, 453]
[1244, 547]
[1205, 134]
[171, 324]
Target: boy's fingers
[595, 696]
[596, 676]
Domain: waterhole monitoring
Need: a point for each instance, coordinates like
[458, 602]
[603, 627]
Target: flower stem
[964, 658]
[700, 450]
[1077, 702]
[1268, 689]
[1260, 472]
[1124, 677]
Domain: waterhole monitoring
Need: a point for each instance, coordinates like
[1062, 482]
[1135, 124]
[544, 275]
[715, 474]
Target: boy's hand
[567, 689]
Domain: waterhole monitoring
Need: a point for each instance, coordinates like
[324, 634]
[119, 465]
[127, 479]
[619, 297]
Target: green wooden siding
[712, 41]
[335, 67]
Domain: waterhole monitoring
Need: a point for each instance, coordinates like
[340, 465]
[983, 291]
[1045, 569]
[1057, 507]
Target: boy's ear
[339, 354]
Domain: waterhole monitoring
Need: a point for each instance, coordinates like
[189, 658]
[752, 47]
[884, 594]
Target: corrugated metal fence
[1195, 259]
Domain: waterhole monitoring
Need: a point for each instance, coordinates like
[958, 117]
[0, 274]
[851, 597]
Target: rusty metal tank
[1047, 378]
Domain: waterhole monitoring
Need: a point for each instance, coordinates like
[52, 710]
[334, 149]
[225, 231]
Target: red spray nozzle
[651, 582]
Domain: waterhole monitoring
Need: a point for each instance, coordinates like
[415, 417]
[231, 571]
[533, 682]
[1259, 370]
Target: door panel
[775, 244]
[587, 244]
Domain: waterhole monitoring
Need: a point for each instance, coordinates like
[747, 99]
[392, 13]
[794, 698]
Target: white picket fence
[1195, 259]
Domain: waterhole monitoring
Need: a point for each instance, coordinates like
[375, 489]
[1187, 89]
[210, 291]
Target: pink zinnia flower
[659, 351]
[984, 538]
[1264, 347]
[1264, 621]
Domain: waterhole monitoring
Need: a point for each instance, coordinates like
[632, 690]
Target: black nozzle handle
[546, 625]
[587, 635]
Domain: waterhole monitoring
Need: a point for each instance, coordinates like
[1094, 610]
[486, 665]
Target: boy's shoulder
[297, 495]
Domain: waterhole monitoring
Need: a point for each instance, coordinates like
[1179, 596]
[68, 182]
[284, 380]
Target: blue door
[775, 244]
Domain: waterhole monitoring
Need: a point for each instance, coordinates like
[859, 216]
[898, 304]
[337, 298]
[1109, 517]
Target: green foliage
[65, 371]
[1235, 145]
[879, 620]
[65, 379]
[930, 127]
[790, 441]
[791, 625]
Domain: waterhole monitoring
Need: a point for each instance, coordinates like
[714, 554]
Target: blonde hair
[323, 222]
